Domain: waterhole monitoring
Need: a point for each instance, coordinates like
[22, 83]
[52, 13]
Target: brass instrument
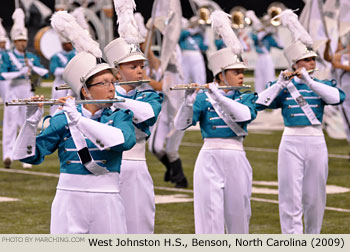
[273, 10]
[204, 15]
[196, 86]
[51, 102]
[121, 83]
[238, 17]
[292, 74]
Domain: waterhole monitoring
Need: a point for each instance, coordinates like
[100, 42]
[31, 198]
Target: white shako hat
[88, 60]
[301, 47]
[126, 48]
[18, 30]
[230, 57]
[80, 68]
[3, 36]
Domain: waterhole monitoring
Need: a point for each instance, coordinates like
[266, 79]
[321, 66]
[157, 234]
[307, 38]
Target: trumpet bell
[204, 16]
[238, 17]
[274, 10]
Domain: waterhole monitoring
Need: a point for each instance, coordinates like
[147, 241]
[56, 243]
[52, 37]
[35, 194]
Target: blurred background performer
[192, 46]
[341, 70]
[136, 185]
[222, 175]
[57, 64]
[90, 140]
[263, 41]
[3, 41]
[302, 154]
[165, 139]
[18, 65]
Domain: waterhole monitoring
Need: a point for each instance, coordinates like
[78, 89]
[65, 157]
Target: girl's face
[308, 63]
[131, 71]
[101, 86]
[234, 77]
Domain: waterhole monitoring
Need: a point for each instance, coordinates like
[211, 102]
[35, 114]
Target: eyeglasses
[102, 84]
[309, 59]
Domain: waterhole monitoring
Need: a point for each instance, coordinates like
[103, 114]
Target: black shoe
[165, 161]
[182, 184]
[178, 176]
[7, 163]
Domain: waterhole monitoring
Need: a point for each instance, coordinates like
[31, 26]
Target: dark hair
[217, 77]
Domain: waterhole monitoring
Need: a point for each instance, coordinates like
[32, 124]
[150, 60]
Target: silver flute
[120, 83]
[191, 87]
[51, 102]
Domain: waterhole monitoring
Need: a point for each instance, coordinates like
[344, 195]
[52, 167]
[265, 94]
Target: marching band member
[302, 154]
[263, 41]
[17, 66]
[165, 139]
[341, 70]
[221, 192]
[57, 64]
[90, 140]
[192, 45]
[3, 39]
[136, 185]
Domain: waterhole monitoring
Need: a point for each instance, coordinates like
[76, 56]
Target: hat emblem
[134, 48]
[82, 79]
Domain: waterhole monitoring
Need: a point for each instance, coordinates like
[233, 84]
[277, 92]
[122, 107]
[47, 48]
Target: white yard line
[163, 188]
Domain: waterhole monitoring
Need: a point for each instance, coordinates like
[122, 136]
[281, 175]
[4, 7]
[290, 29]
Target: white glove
[24, 70]
[190, 96]
[306, 77]
[214, 91]
[70, 108]
[281, 81]
[58, 71]
[34, 114]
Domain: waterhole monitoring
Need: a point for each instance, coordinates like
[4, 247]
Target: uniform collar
[86, 113]
[18, 52]
[123, 92]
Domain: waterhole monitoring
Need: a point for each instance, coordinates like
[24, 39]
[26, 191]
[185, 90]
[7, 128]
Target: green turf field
[35, 192]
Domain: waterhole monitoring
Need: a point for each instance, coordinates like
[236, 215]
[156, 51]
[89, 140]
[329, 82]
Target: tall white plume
[2, 29]
[18, 20]
[66, 26]
[127, 28]
[221, 23]
[79, 15]
[290, 19]
[141, 24]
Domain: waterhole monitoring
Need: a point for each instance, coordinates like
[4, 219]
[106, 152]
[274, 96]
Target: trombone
[51, 102]
[119, 83]
[194, 87]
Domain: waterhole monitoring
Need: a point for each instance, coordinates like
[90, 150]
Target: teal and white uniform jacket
[60, 60]
[146, 113]
[188, 41]
[57, 136]
[13, 61]
[212, 126]
[264, 42]
[292, 113]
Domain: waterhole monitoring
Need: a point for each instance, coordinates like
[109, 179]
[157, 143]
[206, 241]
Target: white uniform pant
[4, 85]
[55, 94]
[264, 72]
[302, 177]
[14, 116]
[222, 189]
[193, 67]
[137, 192]
[75, 212]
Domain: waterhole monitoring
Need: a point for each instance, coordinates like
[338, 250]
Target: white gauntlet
[269, 94]
[328, 94]
[236, 110]
[71, 110]
[26, 140]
